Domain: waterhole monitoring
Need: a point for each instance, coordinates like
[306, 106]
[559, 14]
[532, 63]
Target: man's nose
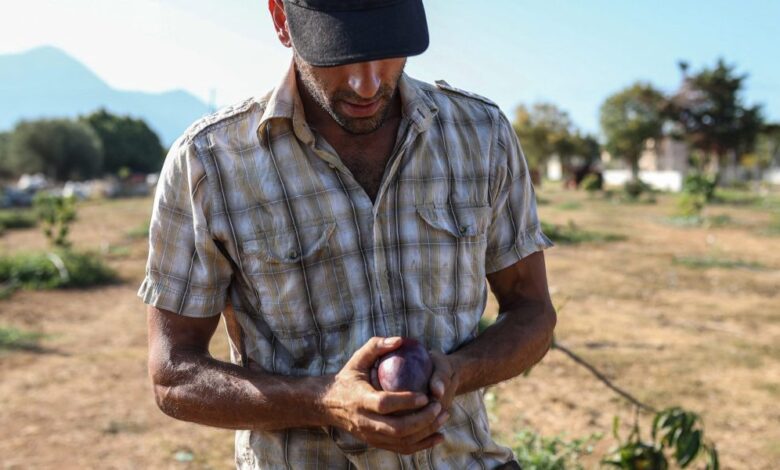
[364, 79]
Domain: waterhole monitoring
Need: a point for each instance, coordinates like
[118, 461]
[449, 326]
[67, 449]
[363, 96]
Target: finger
[376, 347]
[426, 443]
[440, 421]
[409, 424]
[438, 386]
[405, 445]
[442, 373]
[384, 403]
[375, 378]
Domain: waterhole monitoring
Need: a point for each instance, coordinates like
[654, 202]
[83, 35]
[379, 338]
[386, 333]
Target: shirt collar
[417, 106]
[285, 103]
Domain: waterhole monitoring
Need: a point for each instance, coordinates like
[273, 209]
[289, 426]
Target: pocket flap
[291, 246]
[464, 221]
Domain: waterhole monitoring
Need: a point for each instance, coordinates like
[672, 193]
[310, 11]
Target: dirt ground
[707, 339]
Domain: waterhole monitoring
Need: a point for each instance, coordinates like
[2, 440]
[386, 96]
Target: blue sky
[572, 53]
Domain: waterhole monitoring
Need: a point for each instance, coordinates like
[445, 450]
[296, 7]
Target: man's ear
[276, 7]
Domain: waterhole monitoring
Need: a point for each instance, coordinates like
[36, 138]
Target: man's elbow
[164, 386]
[550, 320]
[165, 401]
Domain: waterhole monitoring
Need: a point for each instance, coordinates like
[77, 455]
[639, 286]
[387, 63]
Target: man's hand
[402, 422]
[444, 380]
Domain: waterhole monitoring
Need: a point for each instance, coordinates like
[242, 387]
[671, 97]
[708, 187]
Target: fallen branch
[602, 378]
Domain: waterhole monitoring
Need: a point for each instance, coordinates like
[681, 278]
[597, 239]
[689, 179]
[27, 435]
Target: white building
[662, 165]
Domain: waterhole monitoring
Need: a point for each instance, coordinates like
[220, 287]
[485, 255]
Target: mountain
[47, 82]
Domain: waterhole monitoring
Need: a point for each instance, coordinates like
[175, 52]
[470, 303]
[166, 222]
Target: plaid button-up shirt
[255, 209]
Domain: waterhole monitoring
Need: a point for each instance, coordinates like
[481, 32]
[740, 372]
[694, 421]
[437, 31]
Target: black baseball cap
[327, 33]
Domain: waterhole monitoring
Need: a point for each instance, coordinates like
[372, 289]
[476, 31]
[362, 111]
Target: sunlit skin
[357, 97]
[356, 108]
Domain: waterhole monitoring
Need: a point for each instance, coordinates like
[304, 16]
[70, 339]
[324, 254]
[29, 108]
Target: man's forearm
[198, 388]
[515, 342]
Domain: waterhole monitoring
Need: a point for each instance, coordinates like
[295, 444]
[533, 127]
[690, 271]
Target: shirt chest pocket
[451, 258]
[299, 279]
[459, 222]
[280, 249]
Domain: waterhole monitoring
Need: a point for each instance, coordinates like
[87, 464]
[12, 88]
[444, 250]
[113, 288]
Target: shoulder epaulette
[447, 87]
[219, 116]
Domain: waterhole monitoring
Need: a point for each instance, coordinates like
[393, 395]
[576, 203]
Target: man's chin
[360, 126]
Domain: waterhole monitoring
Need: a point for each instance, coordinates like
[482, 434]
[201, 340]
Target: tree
[768, 147]
[127, 142]
[62, 149]
[545, 130]
[5, 138]
[587, 147]
[710, 114]
[629, 118]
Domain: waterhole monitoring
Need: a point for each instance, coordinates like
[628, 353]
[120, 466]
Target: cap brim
[326, 39]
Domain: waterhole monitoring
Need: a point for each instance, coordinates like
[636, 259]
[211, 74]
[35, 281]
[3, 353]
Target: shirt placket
[384, 239]
[381, 263]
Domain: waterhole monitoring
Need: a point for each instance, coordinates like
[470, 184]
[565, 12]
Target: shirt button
[292, 254]
[464, 228]
[332, 166]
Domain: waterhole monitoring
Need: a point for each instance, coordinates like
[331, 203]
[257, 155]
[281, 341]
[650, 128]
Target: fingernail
[421, 400]
[436, 408]
[438, 386]
[391, 341]
[444, 418]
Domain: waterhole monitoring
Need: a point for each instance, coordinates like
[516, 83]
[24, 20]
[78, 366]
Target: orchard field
[678, 314]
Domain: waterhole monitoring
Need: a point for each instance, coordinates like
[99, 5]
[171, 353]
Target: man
[348, 208]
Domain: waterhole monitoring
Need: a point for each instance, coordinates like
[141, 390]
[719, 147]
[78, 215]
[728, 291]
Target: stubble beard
[356, 126]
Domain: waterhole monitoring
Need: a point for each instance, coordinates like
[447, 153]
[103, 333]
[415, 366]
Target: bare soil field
[678, 315]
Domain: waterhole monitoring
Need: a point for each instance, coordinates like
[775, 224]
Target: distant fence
[661, 180]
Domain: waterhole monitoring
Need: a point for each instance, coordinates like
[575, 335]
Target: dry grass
[704, 337]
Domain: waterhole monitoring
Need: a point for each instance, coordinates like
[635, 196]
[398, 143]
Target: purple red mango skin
[408, 368]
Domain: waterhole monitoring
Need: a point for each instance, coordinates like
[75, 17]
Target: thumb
[376, 347]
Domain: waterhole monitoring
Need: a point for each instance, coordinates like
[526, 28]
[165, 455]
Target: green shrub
[87, 269]
[55, 213]
[59, 269]
[700, 184]
[592, 183]
[15, 339]
[141, 231]
[736, 197]
[15, 219]
[677, 435]
[535, 452]
[698, 189]
[634, 189]
[709, 262]
[570, 206]
[571, 234]
[690, 205]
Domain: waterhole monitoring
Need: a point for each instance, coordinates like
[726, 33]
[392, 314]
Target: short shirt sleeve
[186, 273]
[515, 231]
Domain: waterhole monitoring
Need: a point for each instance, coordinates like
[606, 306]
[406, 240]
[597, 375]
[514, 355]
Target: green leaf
[713, 463]
[616, 427]
[656, 420]
[687, 448]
